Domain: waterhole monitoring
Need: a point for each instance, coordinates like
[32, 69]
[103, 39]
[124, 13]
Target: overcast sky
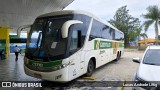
[105, 9]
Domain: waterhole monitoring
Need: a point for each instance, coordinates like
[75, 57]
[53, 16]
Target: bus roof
[77, 12]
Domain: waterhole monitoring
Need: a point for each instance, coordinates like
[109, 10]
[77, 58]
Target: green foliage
[152, 16]
[143, 35]
[158, 37]
[126, 23]
[134, 33]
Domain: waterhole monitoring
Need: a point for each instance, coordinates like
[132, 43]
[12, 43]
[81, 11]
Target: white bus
[64, 45]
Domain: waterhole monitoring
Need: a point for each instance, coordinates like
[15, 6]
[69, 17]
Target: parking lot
[124, 69]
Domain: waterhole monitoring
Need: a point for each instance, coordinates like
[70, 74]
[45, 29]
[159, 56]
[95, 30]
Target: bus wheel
[118, 56]
[90, 68]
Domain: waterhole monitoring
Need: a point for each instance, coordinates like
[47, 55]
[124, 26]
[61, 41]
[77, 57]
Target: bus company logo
[96, 44]
[105, 44]
[6, 84]
[102, 44]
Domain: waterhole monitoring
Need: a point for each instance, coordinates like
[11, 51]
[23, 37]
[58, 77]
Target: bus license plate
[37, 75]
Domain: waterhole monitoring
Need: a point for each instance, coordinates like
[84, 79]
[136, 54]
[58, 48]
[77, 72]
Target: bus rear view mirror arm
[66, 26]
[22, 28]
[137, 60]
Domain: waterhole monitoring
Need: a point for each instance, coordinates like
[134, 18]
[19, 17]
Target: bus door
[100, 52]
[77, 63]
[100, 45]
[102, 56]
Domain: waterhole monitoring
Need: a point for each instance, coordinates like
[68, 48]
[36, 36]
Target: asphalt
[11, 70]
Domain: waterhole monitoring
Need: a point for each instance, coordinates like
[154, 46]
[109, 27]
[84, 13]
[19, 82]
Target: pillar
[4, 36]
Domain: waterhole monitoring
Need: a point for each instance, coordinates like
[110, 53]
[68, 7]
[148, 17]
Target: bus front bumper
[57, 76]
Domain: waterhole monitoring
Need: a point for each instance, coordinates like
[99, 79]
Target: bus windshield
[45, 39]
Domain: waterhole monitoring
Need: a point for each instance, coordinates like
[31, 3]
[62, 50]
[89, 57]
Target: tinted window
[99, 30]
[105, 32]
[108, 33]
[45, 39]
[113, 34]
[111, 31]
[74, 40]
[152, 57]
[84, 27]
[75, 36]
[53, 43]
[96, 30]
[119, 36]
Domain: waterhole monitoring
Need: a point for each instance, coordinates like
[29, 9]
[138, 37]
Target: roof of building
[149, 40]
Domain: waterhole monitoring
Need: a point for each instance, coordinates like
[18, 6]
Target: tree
[135, 33]
[126, 23]
[152, 16]
[139, 34]
[143, 35]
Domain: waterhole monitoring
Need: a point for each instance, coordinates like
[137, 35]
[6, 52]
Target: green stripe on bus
[106, 44]
[45, 64]
[121, 45]
[102, 44]
[95, 43]
[114, 44]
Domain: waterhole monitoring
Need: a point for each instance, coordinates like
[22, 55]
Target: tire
[118, 57]
[90, 69]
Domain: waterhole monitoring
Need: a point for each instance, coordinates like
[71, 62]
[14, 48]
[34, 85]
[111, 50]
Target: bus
[64, 45]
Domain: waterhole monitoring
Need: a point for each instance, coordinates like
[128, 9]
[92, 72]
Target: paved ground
[10, 70]
[121, 70]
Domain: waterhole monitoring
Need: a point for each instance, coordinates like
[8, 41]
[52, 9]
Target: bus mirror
[22, 28]
[66, 26]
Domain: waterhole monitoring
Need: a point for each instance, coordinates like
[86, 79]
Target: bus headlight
[59, 67]
[64, 65]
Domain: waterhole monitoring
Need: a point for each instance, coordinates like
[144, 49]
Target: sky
[105, 9]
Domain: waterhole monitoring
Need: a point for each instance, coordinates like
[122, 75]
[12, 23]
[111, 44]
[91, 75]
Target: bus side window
[96, 30]
[74, 40]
